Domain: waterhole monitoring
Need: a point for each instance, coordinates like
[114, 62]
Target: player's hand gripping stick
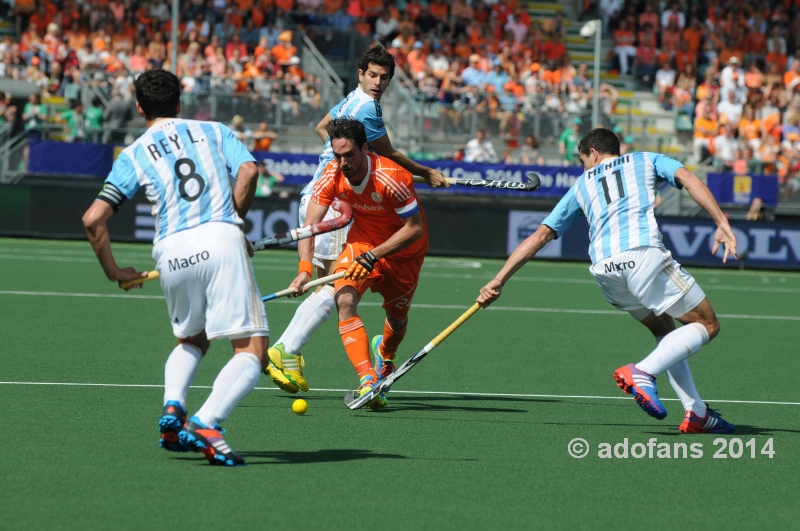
[361, 267]
[125, 284]
[301, 233]
[533, 182]
[354, 402]
[313, 284]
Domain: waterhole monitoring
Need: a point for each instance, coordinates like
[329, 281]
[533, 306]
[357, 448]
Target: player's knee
[397, 323]
[347, 303]
[712, 326]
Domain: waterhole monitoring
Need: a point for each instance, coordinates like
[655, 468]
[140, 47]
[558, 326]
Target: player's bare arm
[305, 248]
[411, 231]
[245, 190]
[702, 195]
[383, 147]
[322, 128]
[521, 255]
[95, 221]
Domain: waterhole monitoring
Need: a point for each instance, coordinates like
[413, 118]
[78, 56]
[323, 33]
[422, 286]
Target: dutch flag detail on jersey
[617, 198]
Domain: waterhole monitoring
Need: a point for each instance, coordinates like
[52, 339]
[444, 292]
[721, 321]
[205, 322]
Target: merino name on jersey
[186, 168]
[617, 198]
[381, 203]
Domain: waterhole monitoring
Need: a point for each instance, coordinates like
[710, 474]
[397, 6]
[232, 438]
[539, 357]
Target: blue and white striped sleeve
[235, 152]
[665, 168]
[371, 116]
[564, 214]
[122, 183]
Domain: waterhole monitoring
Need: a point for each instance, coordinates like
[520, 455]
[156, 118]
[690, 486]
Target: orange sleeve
[325, 188]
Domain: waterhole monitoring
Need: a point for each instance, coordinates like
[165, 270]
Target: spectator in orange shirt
[554, 49]
[332, 6]
[670, 38]
[414, 9]
[416, 59]
[286, 5]
[792, 77]
[684, 57]
[284, 51]
[624, 41]
[41, 19]
[263, 137]
[750, 128]
[649, 16]
[235, 44]
[705, 129]
[439, 10]
[372, 10]
[693, 35]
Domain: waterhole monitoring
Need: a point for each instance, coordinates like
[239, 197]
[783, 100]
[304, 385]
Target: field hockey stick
[354, 402]
[312, 284]
[152, 275]
[301, 233]
[533, 182]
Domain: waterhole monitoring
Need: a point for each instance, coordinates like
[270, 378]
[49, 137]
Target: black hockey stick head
[534, 180]
[357, 402]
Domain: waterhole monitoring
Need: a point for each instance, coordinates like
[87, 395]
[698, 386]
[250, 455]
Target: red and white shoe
[711, 423]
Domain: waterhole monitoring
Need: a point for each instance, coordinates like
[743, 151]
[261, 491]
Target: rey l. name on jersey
[617, 198]
[186, 168]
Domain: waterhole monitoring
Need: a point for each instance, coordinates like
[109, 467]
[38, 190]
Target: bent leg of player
[224, 278]
[186, 306]
[354, 335]
[652, 278]
[397, 287]
[680, 376]
[639, 281]
[286, 367]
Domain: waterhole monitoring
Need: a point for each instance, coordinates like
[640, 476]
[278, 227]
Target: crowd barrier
[457, 226]
[95, 160]
[732, 189]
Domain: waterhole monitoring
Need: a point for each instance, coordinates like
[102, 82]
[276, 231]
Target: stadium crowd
[731, 70]
[728, 67]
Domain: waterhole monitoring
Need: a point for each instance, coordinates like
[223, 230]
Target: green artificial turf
[87, 457]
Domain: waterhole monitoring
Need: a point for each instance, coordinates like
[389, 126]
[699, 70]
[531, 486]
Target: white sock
[675, 347]
[299, 316]
[236, 379]
[179, 372]
[681, 379]
[316, 311]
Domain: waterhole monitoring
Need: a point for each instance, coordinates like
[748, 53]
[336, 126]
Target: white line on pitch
[415, 305]
[447, 393]
[423, 274]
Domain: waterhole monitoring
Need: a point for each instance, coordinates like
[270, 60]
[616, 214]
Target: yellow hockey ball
[300, 406]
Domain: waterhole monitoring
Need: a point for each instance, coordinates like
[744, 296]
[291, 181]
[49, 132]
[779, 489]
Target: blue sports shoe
[200, 438]
[170, 425]
[711, 423]
[383, 366]
[643, 387]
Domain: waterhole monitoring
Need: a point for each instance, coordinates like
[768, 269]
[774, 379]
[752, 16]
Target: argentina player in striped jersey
[375, 72]
[201, 181]
[634, 270]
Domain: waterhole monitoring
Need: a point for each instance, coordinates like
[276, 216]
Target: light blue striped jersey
[617, 198]
[362, 107]
[187, 169]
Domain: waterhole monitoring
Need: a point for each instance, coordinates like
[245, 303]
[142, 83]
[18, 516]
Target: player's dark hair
[377, 56]
[347, 128]
[158, 93]
[602, 140]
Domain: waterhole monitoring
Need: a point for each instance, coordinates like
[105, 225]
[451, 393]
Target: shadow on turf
[319, 456]
[740, 430]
